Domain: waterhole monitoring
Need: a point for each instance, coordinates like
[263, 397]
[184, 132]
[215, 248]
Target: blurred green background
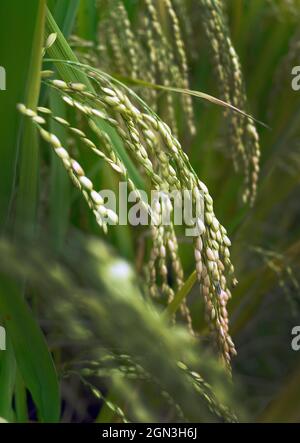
[65, 317]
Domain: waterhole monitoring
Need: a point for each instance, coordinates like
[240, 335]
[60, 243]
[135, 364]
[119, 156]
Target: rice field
[149, 211]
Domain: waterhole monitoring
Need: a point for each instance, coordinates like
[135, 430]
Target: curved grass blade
[29, 149]
[64, 13]
[16, 58]
[60, 186]
[31, 351]
[7, 378]
[198, 94]
[128, 80]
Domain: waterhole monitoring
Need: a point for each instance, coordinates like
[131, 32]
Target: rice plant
[128, 308]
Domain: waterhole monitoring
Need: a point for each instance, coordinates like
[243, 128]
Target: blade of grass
[18, 64]
[29, 153]
[64, 14]
[181, 294]
[60, 185]
[190, 92]
[16, 59]
[20, 400]
[31, 351]
[7, 378]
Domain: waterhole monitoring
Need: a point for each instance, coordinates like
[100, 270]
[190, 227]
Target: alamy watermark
[296, 78]
[177, 207]
[2, 79]
[2, 339]
[295, 343]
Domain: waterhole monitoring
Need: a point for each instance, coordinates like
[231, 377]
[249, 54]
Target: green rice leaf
[31, 351]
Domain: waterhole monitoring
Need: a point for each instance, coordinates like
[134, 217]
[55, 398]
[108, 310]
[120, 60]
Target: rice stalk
[151, 56]
[147, 138]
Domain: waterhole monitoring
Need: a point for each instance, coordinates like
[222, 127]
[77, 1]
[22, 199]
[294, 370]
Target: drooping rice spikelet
[151, 57]
[120, 18]
[179, 44]
[243, 135]
[75, 171]
[178, 274]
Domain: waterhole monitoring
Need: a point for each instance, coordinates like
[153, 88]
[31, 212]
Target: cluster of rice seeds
[132, 140]
[148, 63]
[168, 71]
[213, 276]
[182, 11]
[157, 268]
[106, 151]
[151, 57]
[110, 157]
[108, 103]
[206, 391]
[75, 171]
[116, 410]
[134, 129]
[179, 44]
[212, 259]
[125, 46]
[213, 263]
[142, 129]
[172, 246]
[147, 138]
[164, 243]
[158, 256]
[111, 55]
[243, 135]
[172, 72]
[128, 368]
[120, 18]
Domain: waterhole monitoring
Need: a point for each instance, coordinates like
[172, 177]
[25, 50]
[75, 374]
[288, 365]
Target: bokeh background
[74, 301]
